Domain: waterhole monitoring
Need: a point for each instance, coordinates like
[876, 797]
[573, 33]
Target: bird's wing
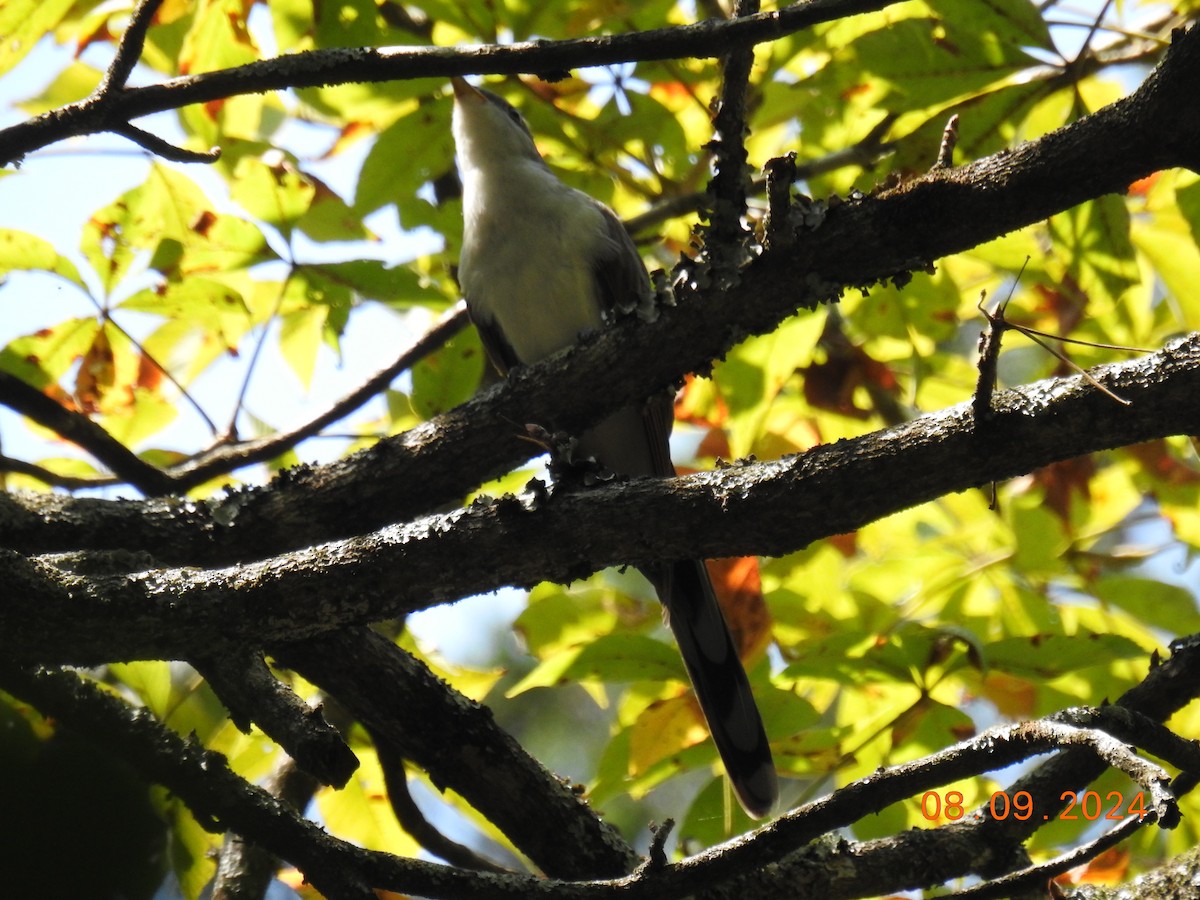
[623, 285]
[618, 267]
[495, 344]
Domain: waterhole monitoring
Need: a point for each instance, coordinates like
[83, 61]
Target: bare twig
[46, 476]
[228, 457]
[129, 50]
[156, 145]
[866, 152]
[725, 236]
[945, 157]
[423, 720]
[413, 821]
[1014, 883]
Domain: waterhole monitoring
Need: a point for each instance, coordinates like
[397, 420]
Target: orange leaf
[1142, 186]
[149, 375]
[1062, 479]
[845, 544]
[96, 374]
[739, 590]
[1013, 696]
[1111, 867]
[351, 133]
[832, 384]
[1157, 461]
[670, 90]
[700, 404]
[715, 444]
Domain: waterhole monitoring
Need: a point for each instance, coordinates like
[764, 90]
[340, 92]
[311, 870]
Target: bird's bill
[465, 91]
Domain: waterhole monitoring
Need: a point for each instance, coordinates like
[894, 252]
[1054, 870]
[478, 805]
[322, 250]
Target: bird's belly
[541, 301]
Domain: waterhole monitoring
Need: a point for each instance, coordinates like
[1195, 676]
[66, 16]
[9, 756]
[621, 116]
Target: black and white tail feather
[541, 264]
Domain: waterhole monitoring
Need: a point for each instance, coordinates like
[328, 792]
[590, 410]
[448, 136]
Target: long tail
[721, 684]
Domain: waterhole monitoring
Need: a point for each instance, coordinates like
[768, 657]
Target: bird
[541, 264]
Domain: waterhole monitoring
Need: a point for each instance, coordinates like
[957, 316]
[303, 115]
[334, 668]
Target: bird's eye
[509, 110]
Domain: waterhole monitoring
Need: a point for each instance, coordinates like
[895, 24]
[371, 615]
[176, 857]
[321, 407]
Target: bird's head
[488, 130]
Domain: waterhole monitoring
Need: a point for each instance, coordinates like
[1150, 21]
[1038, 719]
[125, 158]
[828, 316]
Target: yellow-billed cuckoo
[541, 263]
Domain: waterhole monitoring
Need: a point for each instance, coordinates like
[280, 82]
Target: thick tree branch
[222, 799]
[859, 243]
[770, 508]
[251, 692]
[462, 748]
[245, 870]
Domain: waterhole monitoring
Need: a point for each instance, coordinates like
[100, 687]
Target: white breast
[528, 242]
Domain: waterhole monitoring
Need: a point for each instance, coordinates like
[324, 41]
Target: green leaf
[756, 370]
[300, 337]
[1165, 606]
[218, 39]
[1165, 240]
[150, 680]
[190, 849]
[167, 208]
[1041, 539]
[422, 140]
[359, 23]
[278, 194]
[1093, 240]
[20, 251]
[136, 422]
[1052, 655]
[1187, 196]
[557, 620]
[612, 657]
[449, 377]
[360, 811]
[330, 218]
[901, 323]
[73, 83]
[400, 287]
[203, 321]
[43, 358]
[25, 22]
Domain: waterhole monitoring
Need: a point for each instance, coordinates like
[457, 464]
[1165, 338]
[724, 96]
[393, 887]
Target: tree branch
[769, 508]
[858, 243]
[726, 235]
[79, 429]
[241, 679]
[245, 870]
[317, 68]
[223, 800]
[130, 47]
[462, 748]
